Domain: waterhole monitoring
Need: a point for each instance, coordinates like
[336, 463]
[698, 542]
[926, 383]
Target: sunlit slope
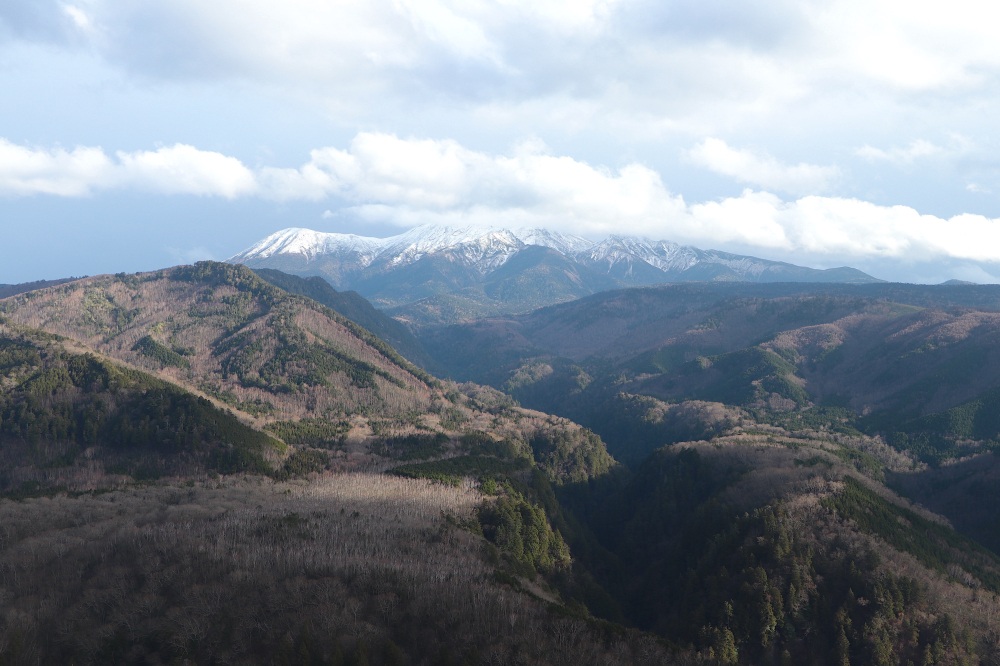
[294, 368]
[222, 330]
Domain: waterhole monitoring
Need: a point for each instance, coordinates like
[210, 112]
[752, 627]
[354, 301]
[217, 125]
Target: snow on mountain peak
[564, 243]
[660, 254]
[307, 243]
[485, 248]
[455, 258]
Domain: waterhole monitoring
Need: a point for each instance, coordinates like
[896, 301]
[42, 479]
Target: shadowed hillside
[70, 419]
[353, 307]
[920, 371]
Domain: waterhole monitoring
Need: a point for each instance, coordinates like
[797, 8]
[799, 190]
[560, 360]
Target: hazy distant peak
[486, 248]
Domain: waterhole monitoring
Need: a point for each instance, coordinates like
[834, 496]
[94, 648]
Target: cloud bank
[178, 169]
[748, 167]
[692, 66]
[391, 180]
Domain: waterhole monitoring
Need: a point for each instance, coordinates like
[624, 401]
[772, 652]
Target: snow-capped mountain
[483, 249]
[624, 254]
[310, 244]
[438, 264]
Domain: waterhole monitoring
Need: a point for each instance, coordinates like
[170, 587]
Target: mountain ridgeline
[440, 274]
[206, 464]
[915, 364]
[280, 362]
[353, 307]
[14, 289]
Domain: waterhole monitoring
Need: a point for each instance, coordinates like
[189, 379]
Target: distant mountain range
[434, 274]
[14, 289]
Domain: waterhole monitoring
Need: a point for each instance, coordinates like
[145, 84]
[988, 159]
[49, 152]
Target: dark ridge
[15, 289]
[352, 305]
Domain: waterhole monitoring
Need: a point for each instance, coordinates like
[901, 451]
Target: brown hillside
[223, 331]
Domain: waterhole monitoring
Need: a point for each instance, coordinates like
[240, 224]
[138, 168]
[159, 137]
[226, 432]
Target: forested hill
[352, 306]
[761, 424]
[143, 417]
[223, 330]
[74, 420]
[287, 364]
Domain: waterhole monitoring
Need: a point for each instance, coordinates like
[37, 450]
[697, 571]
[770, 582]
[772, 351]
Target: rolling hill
[280, 362]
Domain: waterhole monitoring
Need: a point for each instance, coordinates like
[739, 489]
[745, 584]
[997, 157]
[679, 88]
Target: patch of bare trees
[243, 569]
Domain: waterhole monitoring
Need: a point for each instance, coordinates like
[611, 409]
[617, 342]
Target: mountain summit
[481, 248]
[435, 273]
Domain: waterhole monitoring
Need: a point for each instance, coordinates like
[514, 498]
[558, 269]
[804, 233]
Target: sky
[136, 135]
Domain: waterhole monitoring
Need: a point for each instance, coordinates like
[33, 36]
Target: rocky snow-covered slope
[431, 262]
[484, 249]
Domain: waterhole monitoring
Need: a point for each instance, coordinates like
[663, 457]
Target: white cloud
[631, 84]
[762, 170]
[443, 25]
[79, 18]
[913, 46]
[390, 180]
[666, 56]
[420, 180]
[918, 149]
[26, 171]
[178, 169]
[182, 169]
[386, 179]
[635, 73]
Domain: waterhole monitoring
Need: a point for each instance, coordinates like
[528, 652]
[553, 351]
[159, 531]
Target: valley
[206, 464]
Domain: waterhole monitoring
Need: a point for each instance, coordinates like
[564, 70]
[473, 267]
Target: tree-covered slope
[223, 330]
[921, 371]
[292, 367]
[77, 420]
[353, 306]
[757, 552]
[347, 569]
[752, 525]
